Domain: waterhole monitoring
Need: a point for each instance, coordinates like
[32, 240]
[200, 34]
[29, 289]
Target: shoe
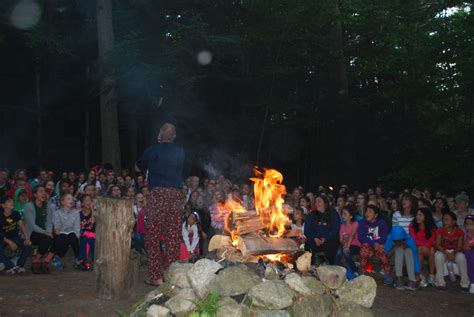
[20, 269]
[11, 271]
[431, 280]
[412, 286]
[441, 288]
[45, 268]
[399, 285]
[452, 276]
[465, 289]
[471, 289]
[423, 282]
[36, 268]
[388, 280]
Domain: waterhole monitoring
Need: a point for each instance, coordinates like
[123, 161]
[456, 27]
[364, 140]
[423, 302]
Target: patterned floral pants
[367, 251]
[163, 222]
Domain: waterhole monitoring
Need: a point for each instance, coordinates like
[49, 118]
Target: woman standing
[164, 163]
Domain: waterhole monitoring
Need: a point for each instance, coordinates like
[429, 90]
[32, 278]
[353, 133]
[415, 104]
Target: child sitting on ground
[449, 245]
[190, 232]
[87, 239]
[139, 230]
[298, 226]
[348, 238]
[372, 235]
[423, 231]
[11, 225]
[404, 246]
[67, 229]
[469, 249]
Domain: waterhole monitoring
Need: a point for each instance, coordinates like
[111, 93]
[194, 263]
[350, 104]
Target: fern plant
[206, 308]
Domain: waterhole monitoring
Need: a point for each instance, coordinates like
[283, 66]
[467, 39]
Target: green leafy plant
[208, 307]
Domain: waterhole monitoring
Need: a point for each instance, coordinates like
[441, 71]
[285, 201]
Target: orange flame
[228, 207]
[269, 191]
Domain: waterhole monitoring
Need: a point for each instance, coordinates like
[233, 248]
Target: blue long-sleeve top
[373, 232]
[398, 233]
[322, 225]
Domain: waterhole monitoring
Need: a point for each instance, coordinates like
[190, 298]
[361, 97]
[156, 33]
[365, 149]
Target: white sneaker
[11, 271]
[431, 280]
[423, 282]
[471, 289]
[20, 269]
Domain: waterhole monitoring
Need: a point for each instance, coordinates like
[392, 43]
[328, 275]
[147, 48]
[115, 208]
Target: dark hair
[343, 197]
[445, 203]
[325, 216]
[452, 215]
[302, 213]
[352, 210]
[65, 181]
[307, 200]
[414, 203]
[84, 197]
[36, 188]
[374, 208]
[399, 204]
[429, 222]
[87, 185]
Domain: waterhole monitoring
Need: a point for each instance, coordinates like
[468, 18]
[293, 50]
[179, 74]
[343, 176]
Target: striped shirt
[402, 221]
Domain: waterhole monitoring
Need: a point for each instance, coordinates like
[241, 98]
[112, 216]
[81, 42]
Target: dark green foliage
[272, 89]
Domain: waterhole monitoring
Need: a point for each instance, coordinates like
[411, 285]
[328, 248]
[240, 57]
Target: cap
[462, 197]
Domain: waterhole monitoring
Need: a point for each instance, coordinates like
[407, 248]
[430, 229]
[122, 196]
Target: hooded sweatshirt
[67, 221]
[373, 232]
[18, 206]
[318, 225]
[398, 233]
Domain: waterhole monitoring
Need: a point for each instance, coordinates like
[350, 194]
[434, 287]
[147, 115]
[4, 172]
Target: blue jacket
[398, 233]
[164, 162]
[316, 227]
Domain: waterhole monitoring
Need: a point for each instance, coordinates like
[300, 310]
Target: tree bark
[115, 267]
[39, 119]
[108, 96]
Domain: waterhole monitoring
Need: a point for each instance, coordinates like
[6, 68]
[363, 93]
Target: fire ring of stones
[212, 288]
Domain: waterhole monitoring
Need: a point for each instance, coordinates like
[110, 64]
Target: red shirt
[420, 237]
[450, 240]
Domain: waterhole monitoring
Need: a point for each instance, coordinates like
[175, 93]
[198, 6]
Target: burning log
[255, 244]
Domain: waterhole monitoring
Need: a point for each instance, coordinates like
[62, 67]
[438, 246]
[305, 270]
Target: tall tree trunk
[108, 97]
[39, 119]
[133, 132]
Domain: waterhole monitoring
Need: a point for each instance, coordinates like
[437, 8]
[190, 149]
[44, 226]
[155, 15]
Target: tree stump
[114, 265]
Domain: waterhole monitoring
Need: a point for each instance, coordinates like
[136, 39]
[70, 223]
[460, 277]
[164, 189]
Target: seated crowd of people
[430, 235]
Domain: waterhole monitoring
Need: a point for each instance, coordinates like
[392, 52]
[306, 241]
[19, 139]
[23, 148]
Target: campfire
[260, 233]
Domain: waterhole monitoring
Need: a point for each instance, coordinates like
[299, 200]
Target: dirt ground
[72, 293]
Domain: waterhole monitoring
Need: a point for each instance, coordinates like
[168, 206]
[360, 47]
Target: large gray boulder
[158, 311]
[354, 310]
[296, 283]
[182, 302]
[361, 290]
[201, 275]
[233, 310]
[232, 281]
[177, 274]
[332, 276]
[226, 300]
[312, 306]
[271, 295]
[273, 313]
[316, 287]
